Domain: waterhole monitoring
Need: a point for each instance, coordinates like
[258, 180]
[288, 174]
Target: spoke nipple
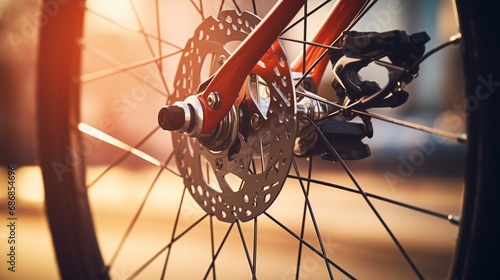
[454, 219]
[171, 117]
[462, 138]
[455, 39]
[221, 60]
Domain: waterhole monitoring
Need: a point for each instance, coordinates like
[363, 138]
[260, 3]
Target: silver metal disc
[239, 170]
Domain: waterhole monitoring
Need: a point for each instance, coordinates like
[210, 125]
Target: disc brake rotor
[238, 170]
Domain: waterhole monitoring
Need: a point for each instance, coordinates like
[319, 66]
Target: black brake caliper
[358, 49]
[361, 48]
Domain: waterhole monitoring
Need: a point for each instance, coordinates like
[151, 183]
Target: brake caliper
[358, 49]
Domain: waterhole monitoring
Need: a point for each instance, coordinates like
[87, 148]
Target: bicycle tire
[477, 240]
[67, 208]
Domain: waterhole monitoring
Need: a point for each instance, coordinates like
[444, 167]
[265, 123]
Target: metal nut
[219, 163]
[213, 100]
[255, 121]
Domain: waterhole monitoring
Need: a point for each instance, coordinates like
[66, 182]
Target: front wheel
[74, 110]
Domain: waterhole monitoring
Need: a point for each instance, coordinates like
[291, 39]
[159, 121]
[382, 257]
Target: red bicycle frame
[227, 81]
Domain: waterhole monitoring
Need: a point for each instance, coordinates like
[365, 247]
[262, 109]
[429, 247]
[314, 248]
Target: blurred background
[19, 37]
[18, 42]
[438, 104]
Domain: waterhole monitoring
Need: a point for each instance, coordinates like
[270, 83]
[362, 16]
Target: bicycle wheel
[200, 192]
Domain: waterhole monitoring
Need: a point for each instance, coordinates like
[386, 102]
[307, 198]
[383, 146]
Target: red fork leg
[230, 77]
[220, 94]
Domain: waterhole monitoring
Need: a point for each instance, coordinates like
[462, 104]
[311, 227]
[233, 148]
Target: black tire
[66, 202]
[476, 254]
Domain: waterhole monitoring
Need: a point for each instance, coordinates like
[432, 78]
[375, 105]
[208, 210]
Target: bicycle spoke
[218, 250]
[130, 28]
[304, 37]
[315, 63]
[98, 134]
[319, 98]
[85, 78]
[304, 42]
[363, 12]
[459, 137]
[237, 6]
[313, 218]
[112, 71]
[303, 223]
[150, 48]
[450, 217]
[158, 34]
[307, 15]
[320, 58]
[245, 247]
[304, 242]
[141, 28]
[122, 25]
[174, 230]
[134, 219]
[368, 202]
[122, 158]
[149, 261]
[198, 9]
[203, 17]
[221, 5]
[254, 7]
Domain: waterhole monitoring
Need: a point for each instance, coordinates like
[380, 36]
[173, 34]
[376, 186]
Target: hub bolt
[255, 121]
[222, 59]
[171, 117]
[213, 100]
[218, 163]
